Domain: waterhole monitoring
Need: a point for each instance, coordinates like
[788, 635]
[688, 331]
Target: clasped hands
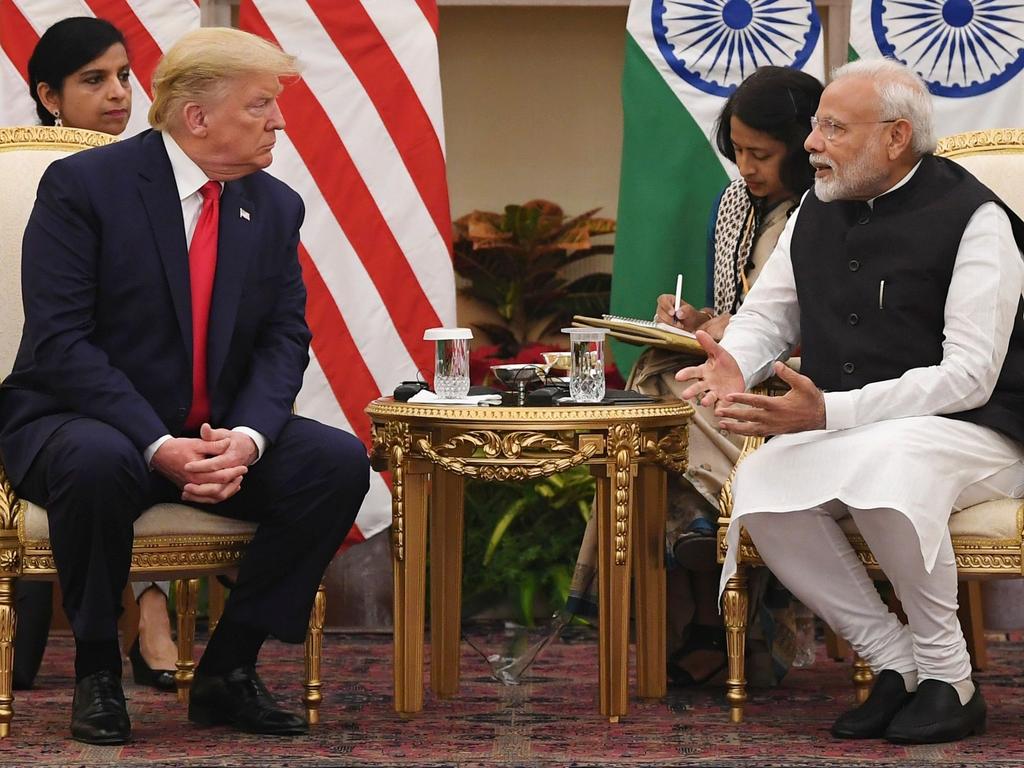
[718, 382]
[208, 468]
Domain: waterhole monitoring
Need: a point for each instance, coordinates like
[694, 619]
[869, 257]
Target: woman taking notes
[761, 128]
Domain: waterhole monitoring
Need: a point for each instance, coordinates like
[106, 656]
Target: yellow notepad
[645, 333]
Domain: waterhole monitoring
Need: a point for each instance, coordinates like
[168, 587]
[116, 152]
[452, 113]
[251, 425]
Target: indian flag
[683, 59]
[970, 52]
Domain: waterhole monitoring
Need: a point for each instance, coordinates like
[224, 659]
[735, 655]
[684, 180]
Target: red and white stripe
[364, 147]
[150, 27]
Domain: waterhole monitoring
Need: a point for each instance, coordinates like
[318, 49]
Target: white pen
[679, 295]
[881, 295]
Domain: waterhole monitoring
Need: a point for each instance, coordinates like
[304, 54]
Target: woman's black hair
[778, 101]
[64, 48]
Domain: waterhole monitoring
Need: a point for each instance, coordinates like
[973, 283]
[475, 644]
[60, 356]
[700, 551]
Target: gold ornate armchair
[171, 540]
[988, 539]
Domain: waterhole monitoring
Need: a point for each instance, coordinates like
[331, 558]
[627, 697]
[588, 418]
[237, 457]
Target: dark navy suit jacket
[108, 320]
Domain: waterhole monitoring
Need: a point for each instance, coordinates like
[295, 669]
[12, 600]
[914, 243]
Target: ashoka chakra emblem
[714, 44]
[960, 47]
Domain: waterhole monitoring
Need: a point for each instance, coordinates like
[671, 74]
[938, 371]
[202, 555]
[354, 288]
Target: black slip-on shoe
[936, 715]
[870, 719]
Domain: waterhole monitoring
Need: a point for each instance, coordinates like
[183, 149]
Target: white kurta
[885, 444]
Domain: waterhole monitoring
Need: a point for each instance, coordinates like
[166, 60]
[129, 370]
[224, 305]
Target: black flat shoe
[143, 674]
[99, 714]
[240, 699]
[870, 719]
[936, 715]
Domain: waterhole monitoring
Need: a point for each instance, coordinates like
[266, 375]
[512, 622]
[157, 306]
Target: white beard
[857, 180]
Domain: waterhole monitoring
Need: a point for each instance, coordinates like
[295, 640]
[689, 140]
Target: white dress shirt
[189, 178]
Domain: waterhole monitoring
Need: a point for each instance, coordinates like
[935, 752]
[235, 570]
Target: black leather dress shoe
[240, 699]
[936, 715]
[99, 714]
[143, 674]
[870, 719]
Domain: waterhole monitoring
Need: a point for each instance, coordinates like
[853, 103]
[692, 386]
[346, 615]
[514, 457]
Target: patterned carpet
[549, 720]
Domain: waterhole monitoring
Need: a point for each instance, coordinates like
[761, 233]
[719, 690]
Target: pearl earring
[57, 122]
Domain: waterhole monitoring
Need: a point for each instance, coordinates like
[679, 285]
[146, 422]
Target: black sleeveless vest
[872, 285]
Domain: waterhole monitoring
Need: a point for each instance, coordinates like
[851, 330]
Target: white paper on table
[426, 396]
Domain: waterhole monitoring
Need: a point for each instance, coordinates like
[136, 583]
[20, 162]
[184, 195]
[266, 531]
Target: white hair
[901, 94]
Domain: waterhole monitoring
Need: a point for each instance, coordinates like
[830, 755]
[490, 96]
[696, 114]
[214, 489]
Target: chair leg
[973, 622]
[863, 678]
[734, 607]
[8, 623]
[186, 595]
[216, 595]
[312, 696]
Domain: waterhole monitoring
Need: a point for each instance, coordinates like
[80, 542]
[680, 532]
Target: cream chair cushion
[997, 520]
[160, 520]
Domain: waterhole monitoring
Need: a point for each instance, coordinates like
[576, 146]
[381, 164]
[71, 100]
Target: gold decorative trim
[10, 504]
[623, 447]
[393, 439]
[1009, 140]
[672, 451]
[9, 559]
[503, 455]
[387, 408]
[48, 137]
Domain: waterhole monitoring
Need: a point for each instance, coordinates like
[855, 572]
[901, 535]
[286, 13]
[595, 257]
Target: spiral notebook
[645, 333]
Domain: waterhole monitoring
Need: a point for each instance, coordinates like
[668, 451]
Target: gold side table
[431, 448]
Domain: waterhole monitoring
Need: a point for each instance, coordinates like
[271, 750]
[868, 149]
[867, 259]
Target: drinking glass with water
[451, 361]
[586, 364]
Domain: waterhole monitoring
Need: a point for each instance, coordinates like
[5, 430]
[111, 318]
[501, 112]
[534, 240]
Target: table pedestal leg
[613, 593]
[446, 526]
[649, 576]
[409, 555]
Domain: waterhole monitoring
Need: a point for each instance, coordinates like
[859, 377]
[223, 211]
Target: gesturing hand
[714, 379]
[799, 410]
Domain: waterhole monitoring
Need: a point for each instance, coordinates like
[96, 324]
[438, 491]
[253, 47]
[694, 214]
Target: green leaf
[501, 527]
[527, 590]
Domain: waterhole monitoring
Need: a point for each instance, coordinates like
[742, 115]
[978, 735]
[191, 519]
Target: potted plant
[512, 264]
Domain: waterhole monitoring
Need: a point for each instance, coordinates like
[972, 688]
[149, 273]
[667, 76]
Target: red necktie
[202, 266]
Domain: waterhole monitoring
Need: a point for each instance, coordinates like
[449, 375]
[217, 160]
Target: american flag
[364, 147]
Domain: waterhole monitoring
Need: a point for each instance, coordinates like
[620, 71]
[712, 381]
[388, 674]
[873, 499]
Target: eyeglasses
[830, 128]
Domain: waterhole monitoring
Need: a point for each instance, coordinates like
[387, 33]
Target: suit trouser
[304, 492]
[810, 554]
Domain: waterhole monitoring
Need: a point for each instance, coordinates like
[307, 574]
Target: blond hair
[203, 61]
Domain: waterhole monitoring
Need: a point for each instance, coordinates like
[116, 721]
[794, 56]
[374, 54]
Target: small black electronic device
[407, 389]
[546, 395]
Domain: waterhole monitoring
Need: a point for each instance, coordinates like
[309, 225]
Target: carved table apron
[431, 448]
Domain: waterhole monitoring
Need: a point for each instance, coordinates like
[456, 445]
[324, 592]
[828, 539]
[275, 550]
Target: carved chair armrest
[11, 507]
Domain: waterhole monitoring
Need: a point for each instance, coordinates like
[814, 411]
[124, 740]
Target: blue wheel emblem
[714, 44]
[961, 48]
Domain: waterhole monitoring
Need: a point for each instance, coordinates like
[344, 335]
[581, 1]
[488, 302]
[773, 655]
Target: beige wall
[531, 105]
